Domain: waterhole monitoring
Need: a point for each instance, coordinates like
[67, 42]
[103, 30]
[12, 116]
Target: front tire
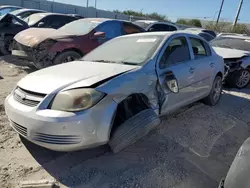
[65, 57]
[214, 96]
[239, 79]
[133, 129]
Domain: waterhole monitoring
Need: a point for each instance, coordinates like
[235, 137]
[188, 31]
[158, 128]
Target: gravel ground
[192, 148]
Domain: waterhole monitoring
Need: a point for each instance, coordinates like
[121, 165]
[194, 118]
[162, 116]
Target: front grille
[28, 98]
[57, 139]
[18, 46]
[20, 129]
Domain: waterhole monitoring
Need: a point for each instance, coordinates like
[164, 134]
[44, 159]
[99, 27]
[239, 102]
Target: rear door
[174, 62]
[202, 66]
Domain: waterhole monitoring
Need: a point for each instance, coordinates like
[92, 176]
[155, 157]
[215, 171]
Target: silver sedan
[116, 93]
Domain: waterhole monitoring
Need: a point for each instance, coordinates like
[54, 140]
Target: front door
[173, 63]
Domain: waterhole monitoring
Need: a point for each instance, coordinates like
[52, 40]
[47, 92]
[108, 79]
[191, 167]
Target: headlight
[76, 99]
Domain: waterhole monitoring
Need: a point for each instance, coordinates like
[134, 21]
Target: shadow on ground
[22, 64]
[192, 149]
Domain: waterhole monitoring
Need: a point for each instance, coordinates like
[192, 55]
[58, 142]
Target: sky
[173, 9]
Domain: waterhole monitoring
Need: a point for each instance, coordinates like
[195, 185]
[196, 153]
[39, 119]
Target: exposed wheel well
[129, 107]
[248, 67]
[73, 49]
[219, 74]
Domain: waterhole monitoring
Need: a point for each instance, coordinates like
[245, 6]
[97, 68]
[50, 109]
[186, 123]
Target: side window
[199, 48]
[111, 29]
[207, 37]
[130, 28]
[176, 52]
[55, 22]
[159, 27]
[172, 28]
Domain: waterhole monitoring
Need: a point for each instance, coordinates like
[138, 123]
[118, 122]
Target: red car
[47, 47]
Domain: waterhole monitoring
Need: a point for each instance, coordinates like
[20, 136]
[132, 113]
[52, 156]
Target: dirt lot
[193, 148]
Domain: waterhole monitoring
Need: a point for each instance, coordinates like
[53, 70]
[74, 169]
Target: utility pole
[221, 6]
[95, 3]
[238, 13]
[87, 4]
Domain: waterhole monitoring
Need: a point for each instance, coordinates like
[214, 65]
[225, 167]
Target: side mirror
[99, 35]
[172, 82]
[41, 24]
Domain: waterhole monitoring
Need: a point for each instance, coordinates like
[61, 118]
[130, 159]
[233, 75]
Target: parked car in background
[7, 8]
[77, 16]
[10, 25]
[47, 47]
[24, 13]
[211, 32]
[117, 92]
[204, 35]
[235, 49]
[153, 26]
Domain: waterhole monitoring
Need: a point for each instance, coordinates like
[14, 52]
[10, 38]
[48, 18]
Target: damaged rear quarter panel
[135, 81]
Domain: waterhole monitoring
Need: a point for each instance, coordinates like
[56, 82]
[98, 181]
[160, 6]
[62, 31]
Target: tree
[153, 15]
[182, 21]
[195, 22]
[241, 28]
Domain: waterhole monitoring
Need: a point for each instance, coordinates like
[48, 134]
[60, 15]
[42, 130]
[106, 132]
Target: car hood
[227, 53]
[33, 36]
[60, 76]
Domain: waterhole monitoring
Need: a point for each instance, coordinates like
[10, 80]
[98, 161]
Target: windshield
[232, 43]
[134, 50]
[80, 27]
[16, 12]
[34, 18]
[144, 25]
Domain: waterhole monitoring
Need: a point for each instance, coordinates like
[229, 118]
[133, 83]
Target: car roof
[6, 6]
[44, 14]
[161, 33]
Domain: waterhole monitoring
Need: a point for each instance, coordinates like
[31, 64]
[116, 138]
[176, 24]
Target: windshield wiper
[104, 61]
[128, 63]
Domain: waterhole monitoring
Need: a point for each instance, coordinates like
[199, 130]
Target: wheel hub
[243, 79]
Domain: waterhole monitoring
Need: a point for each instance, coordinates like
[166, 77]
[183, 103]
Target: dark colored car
[10, 25]
[7, 8]
[154, 26]
[211, 32]
[24, 13]
[47, 47]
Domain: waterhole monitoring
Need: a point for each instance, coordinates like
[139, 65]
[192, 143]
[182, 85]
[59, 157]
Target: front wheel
[67, 56]
[215, 93]
[242, 79]
[5, 47]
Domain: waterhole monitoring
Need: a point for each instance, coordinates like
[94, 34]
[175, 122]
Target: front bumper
[62, 131]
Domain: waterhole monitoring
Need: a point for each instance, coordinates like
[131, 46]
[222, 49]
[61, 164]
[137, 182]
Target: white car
[116, 93]
[235, 49]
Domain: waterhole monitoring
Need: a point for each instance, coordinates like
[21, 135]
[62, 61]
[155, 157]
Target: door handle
[191, 70]
[211, 64]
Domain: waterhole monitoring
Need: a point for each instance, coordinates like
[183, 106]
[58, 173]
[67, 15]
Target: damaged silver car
[235, 49]
[116, 93]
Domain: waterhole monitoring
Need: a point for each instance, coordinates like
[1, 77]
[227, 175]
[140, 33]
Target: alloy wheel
[244, 79]
[217, 89]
